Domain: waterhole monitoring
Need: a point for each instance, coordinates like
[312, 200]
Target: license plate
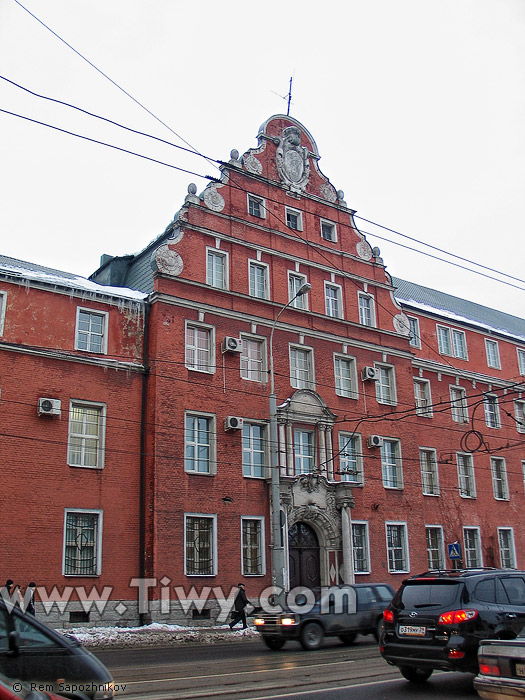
[411, 631]
[520, 670]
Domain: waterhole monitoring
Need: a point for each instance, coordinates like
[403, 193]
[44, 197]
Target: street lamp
[278, 564]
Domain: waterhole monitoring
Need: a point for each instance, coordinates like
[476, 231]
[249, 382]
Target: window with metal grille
[199, 545]
[81, 544]
[360, 547]
[252, 549]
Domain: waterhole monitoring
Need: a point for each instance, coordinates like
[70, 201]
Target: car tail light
[488, 668]
[456, 654]
[388, 616]
[455, 617]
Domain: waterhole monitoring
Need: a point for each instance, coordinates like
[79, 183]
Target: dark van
[30, 651]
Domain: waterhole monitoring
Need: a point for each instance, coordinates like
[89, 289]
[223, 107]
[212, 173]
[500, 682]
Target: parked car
[32, 652]
[501, 668]
[338, 611]
[16, 690]
[437, 620]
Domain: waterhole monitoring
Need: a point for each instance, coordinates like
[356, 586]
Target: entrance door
[303, 547]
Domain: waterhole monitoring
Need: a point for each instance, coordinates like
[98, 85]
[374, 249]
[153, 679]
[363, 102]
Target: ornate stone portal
[292, 159]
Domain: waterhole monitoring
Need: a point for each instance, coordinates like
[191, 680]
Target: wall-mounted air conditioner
[233, 423]
[369, 374]
[375, 441]
[230, 344]
[49, 407]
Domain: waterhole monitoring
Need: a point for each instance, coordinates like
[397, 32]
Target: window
[391, 466]
[386, 385]
[507, 552]
[294, 219]
[351, 458]
[217, 269]
[458, 404]
[452, 342]
[301, 368]
[199, 444]
[200, 346]
[499, 478]
[200, 545]
[466, 480]
[397, 548]
[422, 397]
[82, 543]
[253, 359]
[492, 349]
[360, 547]
[345, 374]
[367, 314]
[87, 426]
[435, 549]
[415, 336]
[333, 300]
[91, 334]
[3, 305]
[252, 537]
[295, 282]
[490, 402]
[253, 450]
[328, 231]
[472, 540]
[521, 361]
[429, 471]
[304, 451]
[523, 471]
[256, 206]
[259, 284]
[519, 410]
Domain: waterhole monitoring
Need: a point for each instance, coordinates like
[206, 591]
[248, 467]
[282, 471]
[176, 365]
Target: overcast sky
[417, 108]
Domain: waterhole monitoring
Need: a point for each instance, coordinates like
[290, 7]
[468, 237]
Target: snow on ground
[156, 634]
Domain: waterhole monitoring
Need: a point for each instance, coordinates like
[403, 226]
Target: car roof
[462, 573]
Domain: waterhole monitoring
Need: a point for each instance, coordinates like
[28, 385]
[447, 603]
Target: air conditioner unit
[233, 423]
[49, 407]
[369, 373]
[375, 441]
[230, 344]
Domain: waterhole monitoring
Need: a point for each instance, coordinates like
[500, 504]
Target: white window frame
[363, 320]
[193, 349]
[265, 268]
[491, 407]
[509, 561]
[519, 412]
[261, 202]
[211, 444]
[341, 379]
[351, 461]
[248, 467]
[466, 475]
[423, 397]
[213, 518]
[365, 548]
[404, 546]
[253, 369]
[492, 351]
[521, 360]
[429, 471]
[298, 214]
[386, 390]
[295, 380]
[459, 334]
[415, 333]
[88, 334]
[3, 307]
[98, 541]
[100, 438]
[439, 549]
[500, 482]
[334, 304]
[295, 282]
[261, 545]
[392, 470]
[333, 227]
[302, 457]
[477, 549]
[459, 405]
[211, 270]
[447, 341]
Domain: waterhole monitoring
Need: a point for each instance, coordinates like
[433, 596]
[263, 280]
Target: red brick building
[400, 414]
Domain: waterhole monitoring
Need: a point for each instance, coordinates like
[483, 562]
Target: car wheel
[312, 636]
[378, 629]
[415, 675]
[274, 643]
[348, 638]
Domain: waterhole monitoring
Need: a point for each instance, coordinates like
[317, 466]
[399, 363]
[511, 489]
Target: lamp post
[278, 577]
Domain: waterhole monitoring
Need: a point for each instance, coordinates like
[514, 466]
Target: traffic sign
[454, 550]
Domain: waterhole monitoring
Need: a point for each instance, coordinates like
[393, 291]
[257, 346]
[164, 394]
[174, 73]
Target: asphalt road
[248, 671]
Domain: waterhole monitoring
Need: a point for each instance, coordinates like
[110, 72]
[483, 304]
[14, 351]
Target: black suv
[436, 620]
[338, 611]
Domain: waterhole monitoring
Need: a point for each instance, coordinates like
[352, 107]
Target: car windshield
[429, 594]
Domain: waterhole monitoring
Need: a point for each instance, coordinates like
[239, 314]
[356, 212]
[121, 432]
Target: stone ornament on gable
[401, 324]
[167, 261]
[252, 164]
[328, 192]
[213, 199]
[364, 250]
[292, 159]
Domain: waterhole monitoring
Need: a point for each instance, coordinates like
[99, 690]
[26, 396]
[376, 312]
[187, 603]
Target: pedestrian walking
[6, 590]
[239, 605]
[29, 598]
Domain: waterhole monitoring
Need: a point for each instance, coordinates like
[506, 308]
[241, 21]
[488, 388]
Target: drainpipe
[144, 618]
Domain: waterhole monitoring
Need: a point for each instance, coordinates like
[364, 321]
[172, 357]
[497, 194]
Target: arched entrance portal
[303, 548]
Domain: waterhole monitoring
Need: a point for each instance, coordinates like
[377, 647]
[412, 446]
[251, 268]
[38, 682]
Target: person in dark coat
[29, 598]
[239, 604]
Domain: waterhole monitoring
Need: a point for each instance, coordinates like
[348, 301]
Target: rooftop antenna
[286, 97]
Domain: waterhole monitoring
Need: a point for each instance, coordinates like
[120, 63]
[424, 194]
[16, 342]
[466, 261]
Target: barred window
[360, 547]
[81, 544]
[252, 547]
[200, 545]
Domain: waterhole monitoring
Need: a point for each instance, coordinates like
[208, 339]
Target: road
[248, 671]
